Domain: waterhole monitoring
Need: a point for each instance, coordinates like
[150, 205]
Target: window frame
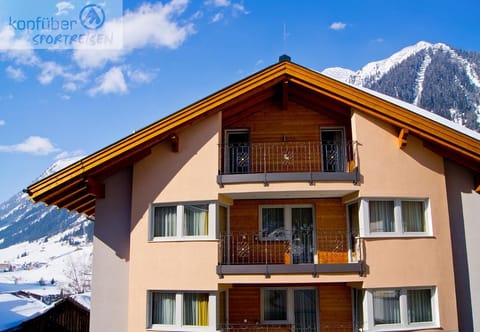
[342, 157]
[213, 212]
[290, 305]
[404, 325]
[287, 218]
[179, 316]
[364, 217]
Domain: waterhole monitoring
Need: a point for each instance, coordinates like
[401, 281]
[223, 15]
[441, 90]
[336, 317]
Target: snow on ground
[83, 299]
[16, 309]
[37, 261]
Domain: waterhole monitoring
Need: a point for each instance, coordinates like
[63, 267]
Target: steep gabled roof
[77, 186]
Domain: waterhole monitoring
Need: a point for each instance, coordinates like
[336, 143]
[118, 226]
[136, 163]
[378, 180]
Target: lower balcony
[327, 307]
[340, 327]
[294, 252]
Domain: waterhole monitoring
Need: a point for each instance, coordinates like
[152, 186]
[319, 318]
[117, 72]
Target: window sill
[402, 328]
[182, 239]
[397, 236]
[175, 328]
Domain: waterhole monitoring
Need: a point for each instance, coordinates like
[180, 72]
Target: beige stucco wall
[111, 257]
[412, 172]
[464, 207]
[170, 177]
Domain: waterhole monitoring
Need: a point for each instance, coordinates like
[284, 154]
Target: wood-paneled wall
[330, 224]
[334, 302]
[297, 124]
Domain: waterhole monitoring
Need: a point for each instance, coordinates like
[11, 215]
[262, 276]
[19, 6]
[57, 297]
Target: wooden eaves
[77, 186]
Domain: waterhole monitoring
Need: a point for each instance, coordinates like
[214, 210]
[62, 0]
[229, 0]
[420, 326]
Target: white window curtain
[163, 308]
[195, 309]
[305, 310]
[165, 221]
[275, 305]
[195, 220]
[419, 305]
[413, 217]
[382, 216]
[386, 307]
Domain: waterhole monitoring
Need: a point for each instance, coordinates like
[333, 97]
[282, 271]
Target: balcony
[283, 252]
[340, 327]
[287, 161]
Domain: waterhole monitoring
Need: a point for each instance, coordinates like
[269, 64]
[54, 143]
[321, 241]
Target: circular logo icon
[92, 17]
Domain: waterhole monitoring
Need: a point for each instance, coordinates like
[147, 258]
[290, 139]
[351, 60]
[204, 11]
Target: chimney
[284, 58]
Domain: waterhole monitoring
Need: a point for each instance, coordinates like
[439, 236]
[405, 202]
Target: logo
[92, 17]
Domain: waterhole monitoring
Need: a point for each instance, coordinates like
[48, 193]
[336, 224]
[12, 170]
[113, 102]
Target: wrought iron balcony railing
[339, 327]
[287, 247]
[317, 159]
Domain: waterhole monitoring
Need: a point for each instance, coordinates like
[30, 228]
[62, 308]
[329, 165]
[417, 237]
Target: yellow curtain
[203, 309]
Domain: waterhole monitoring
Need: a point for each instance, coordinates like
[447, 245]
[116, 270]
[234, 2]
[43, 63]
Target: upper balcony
[310, 161]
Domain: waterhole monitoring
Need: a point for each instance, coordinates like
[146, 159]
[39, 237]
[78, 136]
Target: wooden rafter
[402, 138]
[285, 95]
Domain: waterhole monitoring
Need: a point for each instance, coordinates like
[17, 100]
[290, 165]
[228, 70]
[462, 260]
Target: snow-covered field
[45, 270]
[54, 262]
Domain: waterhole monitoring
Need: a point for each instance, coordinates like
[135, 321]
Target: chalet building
[288, 201]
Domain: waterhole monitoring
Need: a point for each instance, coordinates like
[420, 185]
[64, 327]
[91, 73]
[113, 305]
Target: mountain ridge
[435, 77]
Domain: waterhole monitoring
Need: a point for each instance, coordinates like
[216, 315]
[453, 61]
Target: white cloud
[50, 70]
[16, 74]
[218, 3]
[217, 17]
[337, 26]
[378, 40]
[112, 81]
[239, 8]
[18, 50]
[150, 25]
[63, 8]
[70, 86]
[139, 76]
[32, 145]
[2, 122]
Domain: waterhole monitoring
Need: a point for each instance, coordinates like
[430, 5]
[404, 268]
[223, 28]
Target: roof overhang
[77, 186]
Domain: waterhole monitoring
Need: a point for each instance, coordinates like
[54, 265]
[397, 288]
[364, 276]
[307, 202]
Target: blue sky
[59, 103]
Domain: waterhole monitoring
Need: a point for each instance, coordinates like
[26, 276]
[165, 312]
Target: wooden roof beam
[52, 196]
[402, 138]
[174, 142]
[95, 188]
[285, 95]
[85, 206]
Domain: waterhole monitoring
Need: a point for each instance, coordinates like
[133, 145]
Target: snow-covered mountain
[436, 77]
[42, 243]
[22, 220]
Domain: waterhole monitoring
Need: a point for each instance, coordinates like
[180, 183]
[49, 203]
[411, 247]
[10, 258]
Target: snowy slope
[44, 245]
[435, 77]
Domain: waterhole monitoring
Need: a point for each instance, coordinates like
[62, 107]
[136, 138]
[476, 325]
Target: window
[195, 220]
[296, 306]
[392, 217]
[333, 150]
[275, 305]
[195, 309]
[176, 310]
[398, 309]
[237, 151]
[192, 221]
[294, 223]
